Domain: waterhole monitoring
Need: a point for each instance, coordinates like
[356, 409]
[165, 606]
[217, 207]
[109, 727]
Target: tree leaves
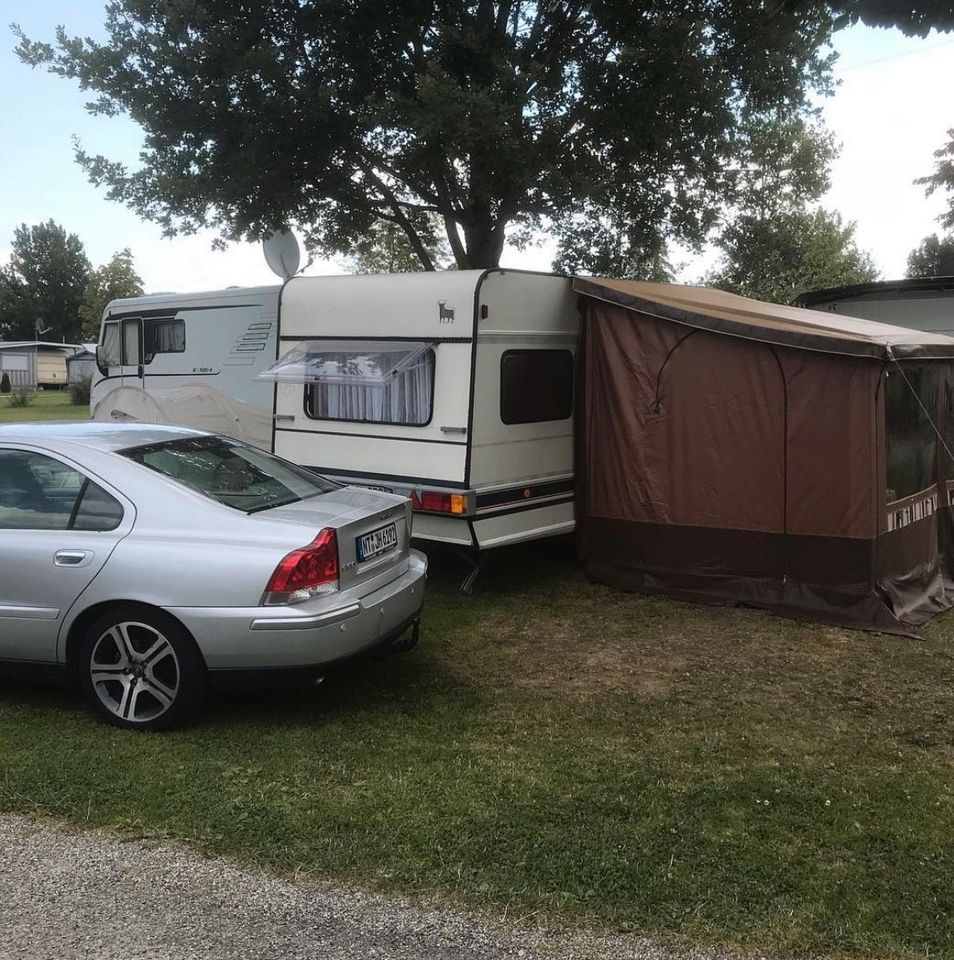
[339, 114]
[43, 284]
[112, 281]
[933, 257]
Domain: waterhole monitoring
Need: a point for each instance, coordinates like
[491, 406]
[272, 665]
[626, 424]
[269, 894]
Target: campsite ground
[556, 751]
[45, 405]
[563, 752]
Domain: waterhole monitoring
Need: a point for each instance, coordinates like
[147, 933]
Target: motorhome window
[163, 336]
[910, 440]
[536, 385]
[385, 384]
[109, 352]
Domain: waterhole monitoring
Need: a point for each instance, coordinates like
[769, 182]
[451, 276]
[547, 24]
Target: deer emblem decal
[447, 313]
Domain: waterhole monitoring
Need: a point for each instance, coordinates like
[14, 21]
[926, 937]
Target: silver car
[149, 563]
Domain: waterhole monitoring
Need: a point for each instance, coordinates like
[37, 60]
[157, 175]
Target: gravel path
[65, 894]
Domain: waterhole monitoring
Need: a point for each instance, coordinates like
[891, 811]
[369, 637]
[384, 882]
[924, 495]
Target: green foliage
[915, 17]
[5, 383]
[21, 397]
[491, 116]
[776, 258]
[79, 391]
[44, 281]
[112, 281]
[46, 405]
[604, 243]
[385, 248]
[933, 257]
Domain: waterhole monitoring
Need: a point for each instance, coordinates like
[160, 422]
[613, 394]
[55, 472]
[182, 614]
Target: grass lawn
[567, 753]
[45, 405]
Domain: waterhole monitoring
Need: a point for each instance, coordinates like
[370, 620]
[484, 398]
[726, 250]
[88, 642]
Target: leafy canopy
[933, 257]
[111, 281]
[492, 116]
[338, 114]
[385, 248]
[42, 286]
[778, 257]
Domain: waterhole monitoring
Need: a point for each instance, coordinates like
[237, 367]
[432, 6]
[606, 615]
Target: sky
[890, 113]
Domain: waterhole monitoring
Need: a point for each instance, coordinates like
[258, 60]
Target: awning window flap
[366, 363]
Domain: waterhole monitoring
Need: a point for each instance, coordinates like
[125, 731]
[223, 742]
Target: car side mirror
[103, 369]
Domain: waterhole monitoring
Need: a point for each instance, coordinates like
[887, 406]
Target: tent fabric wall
[724, 467]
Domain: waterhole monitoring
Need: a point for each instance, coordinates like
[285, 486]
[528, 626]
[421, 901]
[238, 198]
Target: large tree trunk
[484, 243]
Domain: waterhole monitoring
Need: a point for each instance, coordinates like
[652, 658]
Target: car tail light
[434, 502]
[306, 572]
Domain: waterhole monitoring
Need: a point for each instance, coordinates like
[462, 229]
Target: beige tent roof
[710, 309]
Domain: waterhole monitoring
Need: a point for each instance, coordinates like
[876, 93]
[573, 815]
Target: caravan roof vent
[369, 363]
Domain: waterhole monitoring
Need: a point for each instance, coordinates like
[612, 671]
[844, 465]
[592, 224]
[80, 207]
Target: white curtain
[405, 399]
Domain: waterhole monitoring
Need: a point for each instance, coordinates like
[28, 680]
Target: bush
[5, 383]
[22, 397]
[79, 391]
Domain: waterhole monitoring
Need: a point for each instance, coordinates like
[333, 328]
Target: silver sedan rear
[149, 562]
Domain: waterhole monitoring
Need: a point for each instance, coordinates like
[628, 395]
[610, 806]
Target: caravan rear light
[432, 502]
[306, 572]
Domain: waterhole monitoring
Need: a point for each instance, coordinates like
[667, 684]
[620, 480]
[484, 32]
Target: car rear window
[231, 472]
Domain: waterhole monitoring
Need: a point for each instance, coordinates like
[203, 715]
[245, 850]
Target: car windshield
[231, 472]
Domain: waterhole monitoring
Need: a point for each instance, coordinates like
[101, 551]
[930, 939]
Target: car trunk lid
[373, 529]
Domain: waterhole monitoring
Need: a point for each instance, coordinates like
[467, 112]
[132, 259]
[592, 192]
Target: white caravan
[454, 388]
[221, 339]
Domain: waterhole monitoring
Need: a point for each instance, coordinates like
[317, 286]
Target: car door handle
[72, 558]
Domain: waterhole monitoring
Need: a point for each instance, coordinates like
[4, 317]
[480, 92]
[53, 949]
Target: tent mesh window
[910, 440]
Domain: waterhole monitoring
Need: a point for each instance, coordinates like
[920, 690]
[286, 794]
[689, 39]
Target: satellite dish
[40, 329]
[282, 253]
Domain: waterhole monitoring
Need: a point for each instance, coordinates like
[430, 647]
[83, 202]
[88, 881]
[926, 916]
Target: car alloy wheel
[141, 669]
[135, 672]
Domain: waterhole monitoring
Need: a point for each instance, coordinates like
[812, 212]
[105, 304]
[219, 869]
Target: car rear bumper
[309, 635]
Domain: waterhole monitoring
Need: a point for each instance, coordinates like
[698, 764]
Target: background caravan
[152, 347]
[924, 303]
[455, 388]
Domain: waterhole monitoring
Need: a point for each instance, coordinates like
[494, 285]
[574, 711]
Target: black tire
[141, 670]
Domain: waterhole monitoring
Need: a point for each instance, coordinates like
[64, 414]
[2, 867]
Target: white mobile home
[220, 339]
[455, 388]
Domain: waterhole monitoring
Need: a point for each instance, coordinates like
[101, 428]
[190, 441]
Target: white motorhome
[455, 388]
[921, 304]
[222, 339]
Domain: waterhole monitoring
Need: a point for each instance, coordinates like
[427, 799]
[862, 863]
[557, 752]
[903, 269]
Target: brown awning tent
[790, 459]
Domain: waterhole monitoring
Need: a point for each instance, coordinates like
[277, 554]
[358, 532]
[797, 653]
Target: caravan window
[163, 336]
[375, 382]
[110, 350]
[536, 385]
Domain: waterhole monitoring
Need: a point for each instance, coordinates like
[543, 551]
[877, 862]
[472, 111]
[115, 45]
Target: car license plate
[377, 542]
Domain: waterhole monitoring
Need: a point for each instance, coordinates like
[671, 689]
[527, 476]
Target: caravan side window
[536, 385]
[163, 336]
[375, 383]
